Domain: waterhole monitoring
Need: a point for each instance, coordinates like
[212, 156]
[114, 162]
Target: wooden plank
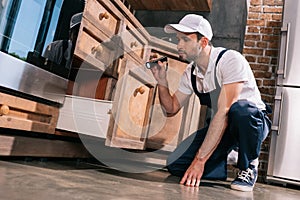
[24, 104]
[28, 115]
[35, 147]
[172, 5]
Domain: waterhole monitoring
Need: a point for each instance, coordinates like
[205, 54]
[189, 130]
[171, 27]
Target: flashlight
[152, 63]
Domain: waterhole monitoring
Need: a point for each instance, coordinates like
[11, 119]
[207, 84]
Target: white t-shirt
[232, 67]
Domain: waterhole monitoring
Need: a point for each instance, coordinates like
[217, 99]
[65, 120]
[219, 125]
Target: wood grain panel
[131, 109]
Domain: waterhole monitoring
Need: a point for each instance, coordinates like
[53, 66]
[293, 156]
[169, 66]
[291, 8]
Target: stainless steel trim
[286, 49]
[280, 112]
[27, 78]
[281, 180]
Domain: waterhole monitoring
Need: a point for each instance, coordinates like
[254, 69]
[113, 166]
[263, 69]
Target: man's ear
[204, 42]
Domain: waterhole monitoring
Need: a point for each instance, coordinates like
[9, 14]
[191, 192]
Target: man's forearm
[213, 137]
[165, 97]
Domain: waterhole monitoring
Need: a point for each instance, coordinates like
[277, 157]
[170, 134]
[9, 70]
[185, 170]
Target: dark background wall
[227, 17]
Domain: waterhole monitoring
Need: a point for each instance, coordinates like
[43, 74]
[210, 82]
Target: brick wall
[261, 48]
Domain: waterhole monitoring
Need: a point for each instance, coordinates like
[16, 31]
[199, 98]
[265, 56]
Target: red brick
[253, 51]
[267, 30]
[273, 53]
[255, 22]
[252, 37]
[273, 2]
[262, 44]
[256, 2]
[253, 29]
[255, 9]
[264, 60]
[262, 74]
[274, 24]
[259, 82]
[250, 58]
[269, 90]
[269, 82]
[274, 44]
[277, 17]
[259, 67]
[259, 74]
[249, 44]
[265, 16]
[272, 9]
[270, 37]
[253, 16]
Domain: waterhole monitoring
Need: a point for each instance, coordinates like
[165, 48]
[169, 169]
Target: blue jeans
[247, 128]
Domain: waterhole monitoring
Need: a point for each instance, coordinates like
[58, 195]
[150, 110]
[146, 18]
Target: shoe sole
[241, 188]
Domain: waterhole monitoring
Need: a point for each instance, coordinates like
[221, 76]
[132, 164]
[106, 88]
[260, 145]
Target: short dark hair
[199, 36]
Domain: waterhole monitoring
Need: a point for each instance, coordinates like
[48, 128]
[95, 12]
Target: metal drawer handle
[140, 90]
[4, 110]
[103, 16]
[133, 44]
[97, 49]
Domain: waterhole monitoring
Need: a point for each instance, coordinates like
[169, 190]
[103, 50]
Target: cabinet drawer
[103, 15]
[84, 115]
[94, 47]
[23, 114]
[133, 40]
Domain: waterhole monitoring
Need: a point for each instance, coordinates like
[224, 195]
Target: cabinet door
[131, 110]
[167, 132]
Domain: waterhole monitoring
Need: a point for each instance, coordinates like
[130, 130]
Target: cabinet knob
[140, 90]
[133, 44]
[103, 16]
[97, 49]
[4, 110]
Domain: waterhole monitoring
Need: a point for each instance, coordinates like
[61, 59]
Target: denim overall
[247, 128]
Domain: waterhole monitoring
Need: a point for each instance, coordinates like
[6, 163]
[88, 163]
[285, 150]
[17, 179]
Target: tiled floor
[80, 180]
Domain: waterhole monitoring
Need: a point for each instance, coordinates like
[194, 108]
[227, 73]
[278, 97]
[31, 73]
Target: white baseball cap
[191, 23]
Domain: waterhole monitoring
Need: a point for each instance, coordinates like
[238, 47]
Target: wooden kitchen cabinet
[131, 112]
[115, 44]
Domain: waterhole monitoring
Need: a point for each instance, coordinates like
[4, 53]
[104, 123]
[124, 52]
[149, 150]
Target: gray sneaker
[245, 180]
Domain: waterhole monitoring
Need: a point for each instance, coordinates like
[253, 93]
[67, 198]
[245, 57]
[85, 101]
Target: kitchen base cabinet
[111, 38]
